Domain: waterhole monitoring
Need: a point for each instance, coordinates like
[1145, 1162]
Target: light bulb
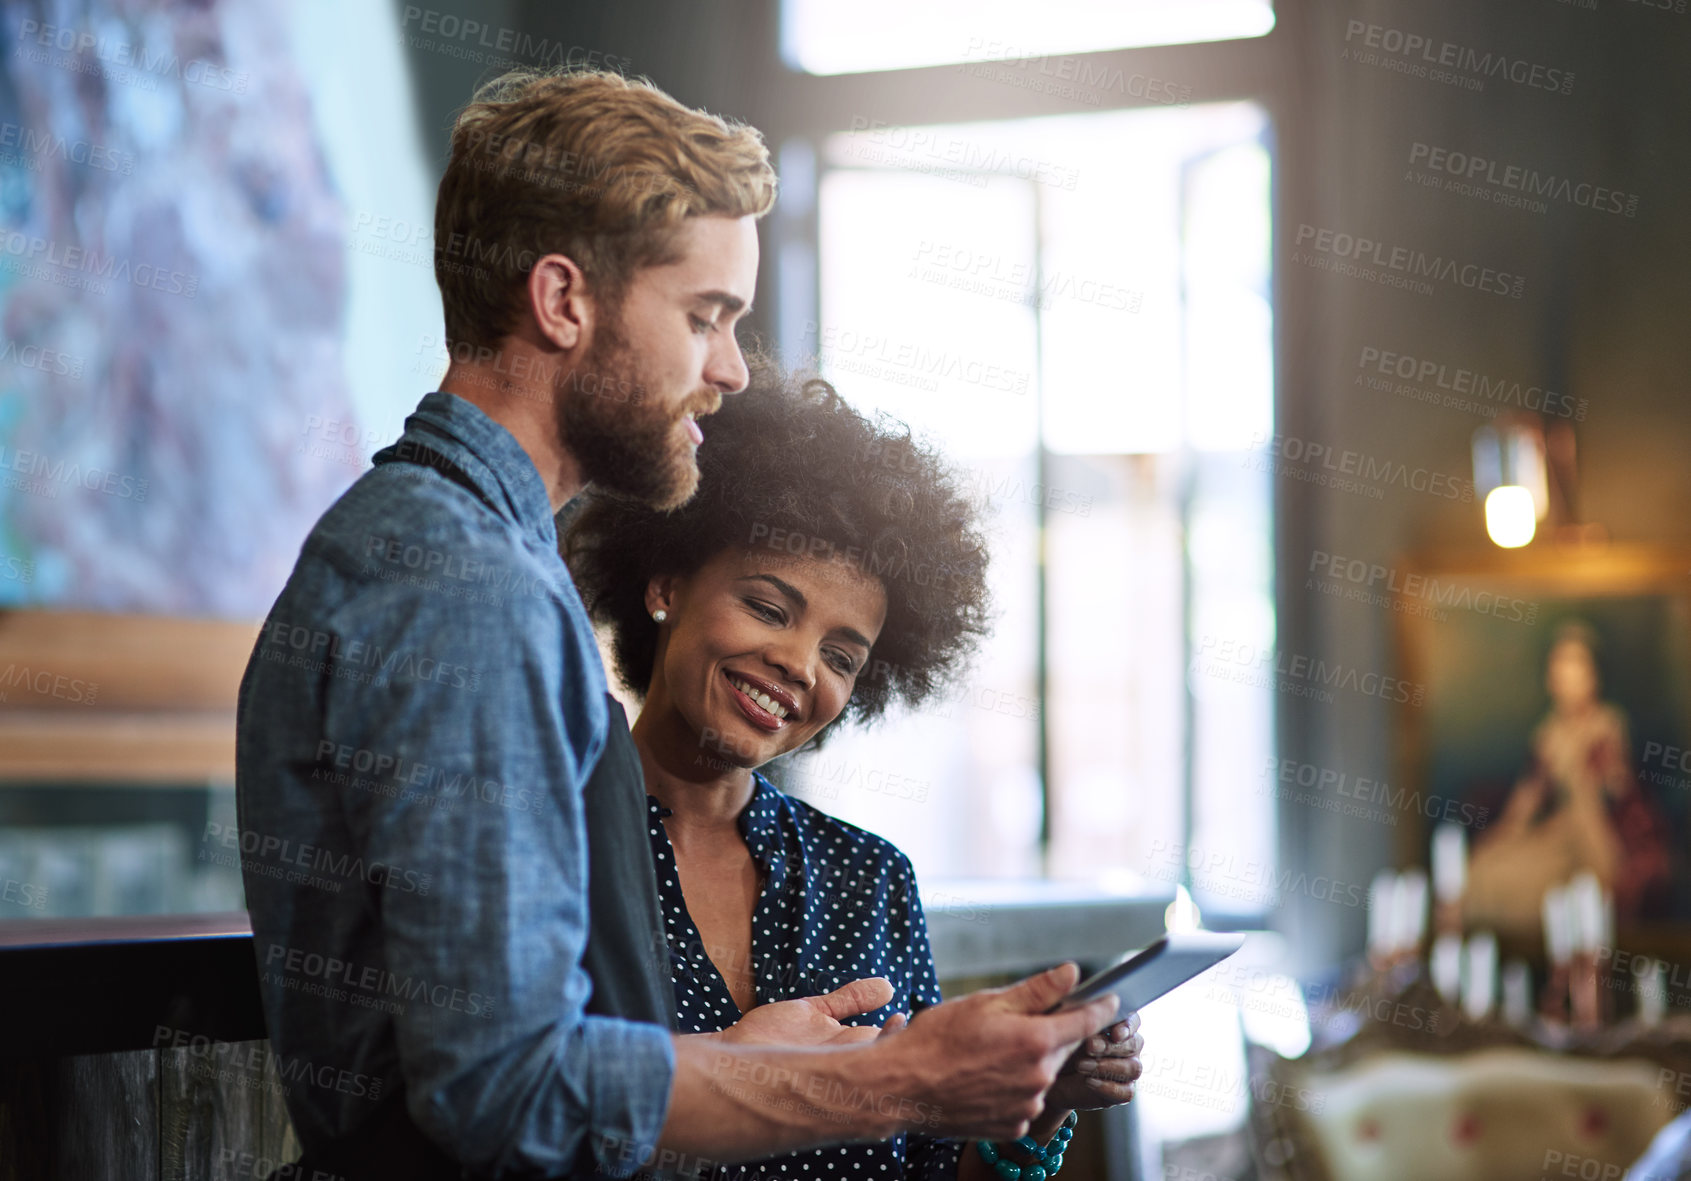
[1511, 517]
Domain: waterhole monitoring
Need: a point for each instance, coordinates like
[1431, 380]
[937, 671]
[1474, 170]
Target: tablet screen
[1163, 966]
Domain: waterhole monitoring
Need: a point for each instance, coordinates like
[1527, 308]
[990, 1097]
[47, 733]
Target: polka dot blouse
[838, 904]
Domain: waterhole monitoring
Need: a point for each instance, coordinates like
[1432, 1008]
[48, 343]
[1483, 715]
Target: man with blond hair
[425, 716]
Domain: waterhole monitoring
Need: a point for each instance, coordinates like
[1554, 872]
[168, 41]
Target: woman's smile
[764, 704]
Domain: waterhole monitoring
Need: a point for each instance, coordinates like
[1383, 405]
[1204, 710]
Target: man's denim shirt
[420, 713]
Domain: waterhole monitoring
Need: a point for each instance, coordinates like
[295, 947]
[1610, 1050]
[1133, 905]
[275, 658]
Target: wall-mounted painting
[1557, 708]
[198, 350]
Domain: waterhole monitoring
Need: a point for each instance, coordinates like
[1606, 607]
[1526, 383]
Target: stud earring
[659, 615]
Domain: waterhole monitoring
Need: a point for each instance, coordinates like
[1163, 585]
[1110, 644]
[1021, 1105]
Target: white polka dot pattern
[838, 904]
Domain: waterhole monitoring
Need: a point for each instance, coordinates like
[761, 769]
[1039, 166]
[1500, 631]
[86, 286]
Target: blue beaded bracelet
[1047, 1160]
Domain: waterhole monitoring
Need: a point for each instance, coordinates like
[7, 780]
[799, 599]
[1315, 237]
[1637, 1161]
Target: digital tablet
[1171, 961]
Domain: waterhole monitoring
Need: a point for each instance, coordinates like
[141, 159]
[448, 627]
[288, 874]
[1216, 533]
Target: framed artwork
[204, 333]
[1556, 714]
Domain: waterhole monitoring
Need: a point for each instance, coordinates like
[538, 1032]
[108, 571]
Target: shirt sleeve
[492, 733]
[925, 1157]
[1669, 1155]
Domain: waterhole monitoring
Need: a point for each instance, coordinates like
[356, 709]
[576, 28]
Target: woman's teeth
[763, 699]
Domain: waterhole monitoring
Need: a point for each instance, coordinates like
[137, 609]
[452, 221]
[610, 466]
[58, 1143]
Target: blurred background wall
[1123, 286]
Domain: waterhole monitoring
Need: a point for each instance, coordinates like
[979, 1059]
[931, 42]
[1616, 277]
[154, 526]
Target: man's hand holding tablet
[1101, 1073]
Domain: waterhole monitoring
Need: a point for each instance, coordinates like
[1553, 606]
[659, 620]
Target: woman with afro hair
[827, 567]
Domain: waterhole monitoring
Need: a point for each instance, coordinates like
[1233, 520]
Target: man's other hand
[813, 1020]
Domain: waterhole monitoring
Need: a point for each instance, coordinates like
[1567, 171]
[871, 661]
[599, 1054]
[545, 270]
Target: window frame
[809, 108]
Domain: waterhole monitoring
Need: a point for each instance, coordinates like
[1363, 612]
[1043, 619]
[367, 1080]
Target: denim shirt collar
[488, 454]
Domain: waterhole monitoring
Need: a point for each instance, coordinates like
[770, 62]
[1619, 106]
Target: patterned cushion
[1494, 1115]
[1467, 1103]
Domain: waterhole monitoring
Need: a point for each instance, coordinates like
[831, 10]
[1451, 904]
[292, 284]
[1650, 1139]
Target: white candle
[1479, 987]
[1586, 911]
[1517, 993]
[1446, 966]
[1652, 993]
[1450, 862]
[1411, 919]
[1382, 901]
[1558, 943]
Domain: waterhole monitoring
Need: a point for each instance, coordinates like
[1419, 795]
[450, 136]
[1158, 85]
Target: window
[826, 37]
[1076, 308]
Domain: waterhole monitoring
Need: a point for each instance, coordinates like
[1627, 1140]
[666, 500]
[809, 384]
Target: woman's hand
[1099, 1073]
[813, 1020]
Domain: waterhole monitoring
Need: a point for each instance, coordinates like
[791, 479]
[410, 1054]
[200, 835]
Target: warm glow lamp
[1510, 517]
[1510, 473]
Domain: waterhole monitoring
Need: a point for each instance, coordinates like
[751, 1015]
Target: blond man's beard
[620, 435]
